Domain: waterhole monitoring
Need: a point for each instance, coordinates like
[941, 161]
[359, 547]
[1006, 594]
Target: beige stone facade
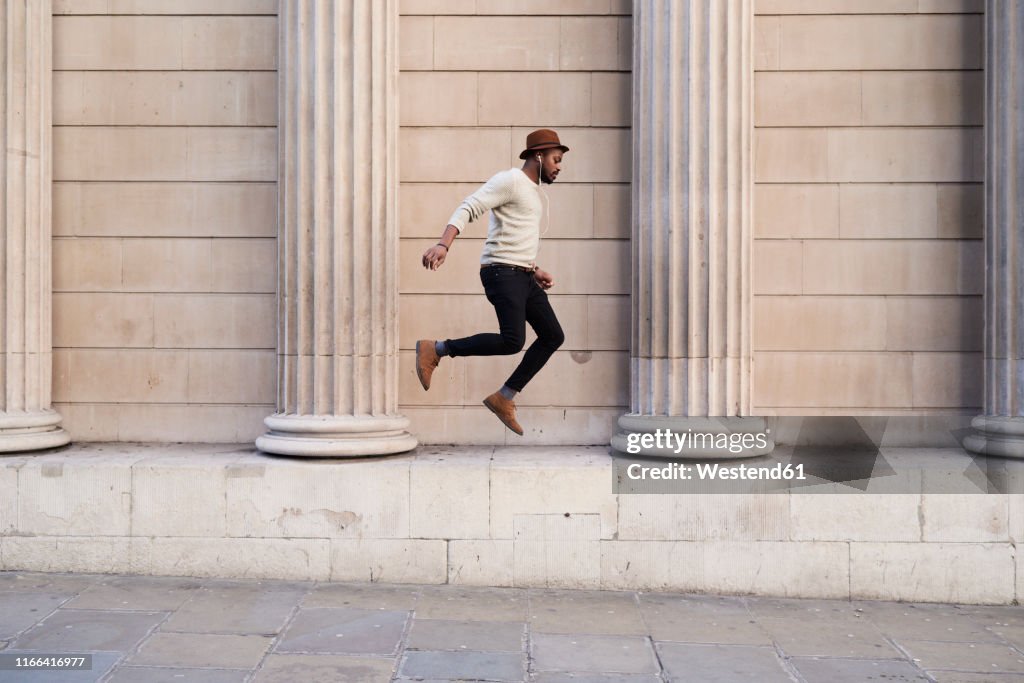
[866, 261]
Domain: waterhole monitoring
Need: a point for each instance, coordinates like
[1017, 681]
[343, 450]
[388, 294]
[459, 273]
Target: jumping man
[512, 281]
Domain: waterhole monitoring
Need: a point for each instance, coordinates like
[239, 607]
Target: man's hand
[543, 279]
[434, 257]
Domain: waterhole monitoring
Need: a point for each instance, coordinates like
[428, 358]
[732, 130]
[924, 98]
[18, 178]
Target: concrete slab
[151, 594]
[236, 609]
[324, 669]
[593, 612]
[21, 611]
[343, 631]
[474, 666]
[592, 654]
[151, 674]
[363, 596]
[856, 670]
[472, 604]
[85, 630]
[494, 636]
[701, 619]
[974, 657]
[721, 663]
[202, 650]
[102, 663]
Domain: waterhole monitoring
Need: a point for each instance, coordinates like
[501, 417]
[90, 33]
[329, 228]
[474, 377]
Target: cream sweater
[515, 204]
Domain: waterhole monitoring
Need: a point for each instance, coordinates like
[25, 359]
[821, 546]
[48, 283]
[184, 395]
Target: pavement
[160, 629]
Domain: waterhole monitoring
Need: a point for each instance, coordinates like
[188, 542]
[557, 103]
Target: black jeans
[517, 300]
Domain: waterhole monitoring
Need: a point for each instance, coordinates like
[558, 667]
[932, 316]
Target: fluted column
[1000, 431]
[691, 238]
[27, 420]
[337, 234]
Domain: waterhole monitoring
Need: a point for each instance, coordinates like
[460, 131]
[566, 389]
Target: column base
[335, 436]
[31, 431]
[995, 435]
[711, 438]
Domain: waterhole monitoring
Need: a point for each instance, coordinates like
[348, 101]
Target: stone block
[449, 495]
[122, 375]
[880, 42]
[835, 7]
[102, 320]
[216, 321]
[557, 550]
[594, 654]
[416, 46]
[791, 155]
[892, 267]
[700, 517]
[976, 573]
[612, 209]
[424, 208]
[244, 265]
[522, 98]
[232, 376]
[84, 265]
[88, 421]
[179, 496]
[855, 517]
[779, 267]
[570, 481]
[951, 6]
[117, 43]
[229, 43]
[611, 99]
[905, 155]
[203, 423]
[964, 518]
[589, 44]
[389, 560]
[325, 499]
[447, 387]
[807, 99]
[783, 568]
[426, 155]
[87, 496]
[164, 153]
[139, 98]
[841, 380]
[961, 212]
[138, 209]
[167, 265]
[161, 7]
[222, 651]
[948, 380]
[431, 7]
[767, 48]
[877, 211]
[481, 563]
[575, 378]
[462, 425]
[922, 98]
[625, 37]
[608, 323]
[300, 559]
[796, 211]
[819, 323]
[496, 43]
[9, 494]
[596, 155]
[84, 554]
[438, 98]
[564, 7]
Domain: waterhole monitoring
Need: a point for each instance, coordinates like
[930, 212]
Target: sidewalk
[157, 629]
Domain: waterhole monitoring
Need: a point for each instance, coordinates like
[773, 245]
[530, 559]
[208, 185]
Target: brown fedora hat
[545, 138]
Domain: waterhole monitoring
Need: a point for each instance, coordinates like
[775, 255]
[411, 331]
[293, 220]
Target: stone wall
[164, 254]
[476, 77]
[868, 216]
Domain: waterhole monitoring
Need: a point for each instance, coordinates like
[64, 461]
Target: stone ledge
[498, 516]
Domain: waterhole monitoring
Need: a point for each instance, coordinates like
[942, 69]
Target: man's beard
[545, 177]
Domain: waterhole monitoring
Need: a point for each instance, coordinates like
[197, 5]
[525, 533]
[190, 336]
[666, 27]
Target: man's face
[550, 165]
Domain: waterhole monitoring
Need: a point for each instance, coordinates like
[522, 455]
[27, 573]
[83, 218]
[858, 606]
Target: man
[514, 284]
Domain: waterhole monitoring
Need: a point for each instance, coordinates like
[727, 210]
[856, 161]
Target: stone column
[692, 196]
[1000, 431]
[338, 234]
[27, 421]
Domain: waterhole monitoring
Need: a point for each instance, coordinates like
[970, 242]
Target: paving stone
[102, 662]
[995, 616]
[235, 610]
[202, 650]
[20, 611]
[462, 603]
[963, 677]
[975, 657]
[549, 677]
[324, 669]
[801, 609]
[912, 621]
[84, 630]
[592, 654]
[721, 663]
[49, 583]
[482, 666]
[593, 612]
[151, 674]
[701, 619]
[1012, 634]
[815, 669]
[363, 596]
[343, 631]
[493, 636]
[143, 593]
[830, 638]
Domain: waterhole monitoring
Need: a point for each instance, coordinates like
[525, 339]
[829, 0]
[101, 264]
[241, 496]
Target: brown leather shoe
[505, 410]
[426, 360]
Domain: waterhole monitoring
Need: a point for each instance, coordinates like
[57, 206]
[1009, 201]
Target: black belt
[507, 265]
